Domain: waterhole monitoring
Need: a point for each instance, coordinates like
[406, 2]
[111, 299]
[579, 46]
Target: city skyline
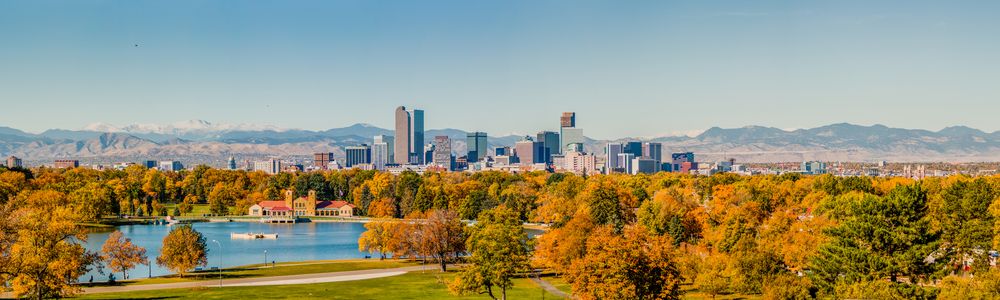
[668, 67]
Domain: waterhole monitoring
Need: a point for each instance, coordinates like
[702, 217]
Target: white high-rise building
[270, 166]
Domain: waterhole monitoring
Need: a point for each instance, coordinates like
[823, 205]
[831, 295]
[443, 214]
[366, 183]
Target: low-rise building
[307, 206]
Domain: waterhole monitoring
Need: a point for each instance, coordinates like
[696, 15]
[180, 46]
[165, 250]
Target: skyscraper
[612, 150]
[417, 133]
[529, 152]
[401, 149]
[653, 150]
[550, 141]
[476, 144]
[322, 159]
[625, 162]
[442, 152]
[568, 133]
[382, 151]
[232, 163]
[271, 166]
[390, 142]
[568, 119]
[356, 155]
[409, 136]
[635, 148]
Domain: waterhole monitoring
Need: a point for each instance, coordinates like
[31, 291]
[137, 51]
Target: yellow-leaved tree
[183, 250]
[121, 255]
[377, 237]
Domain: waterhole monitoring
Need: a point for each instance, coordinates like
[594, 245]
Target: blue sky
[628, 68]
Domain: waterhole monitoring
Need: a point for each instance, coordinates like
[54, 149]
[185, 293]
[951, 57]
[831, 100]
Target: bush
[882, 289]
[789, 286]
[982, 286]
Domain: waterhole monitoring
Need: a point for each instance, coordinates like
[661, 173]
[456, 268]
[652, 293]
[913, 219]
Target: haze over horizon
[643, 68]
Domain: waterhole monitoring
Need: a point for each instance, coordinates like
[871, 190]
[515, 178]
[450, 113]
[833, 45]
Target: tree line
[611, 236]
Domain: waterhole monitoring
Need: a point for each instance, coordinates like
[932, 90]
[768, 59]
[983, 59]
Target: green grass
[413, 285]
[690, 292]
[560, 283]
[197, 210]
[290, 268]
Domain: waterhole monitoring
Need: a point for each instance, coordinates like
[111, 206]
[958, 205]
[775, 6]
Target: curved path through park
[261, 281]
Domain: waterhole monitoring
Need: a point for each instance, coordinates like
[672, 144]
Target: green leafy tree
[498, 250]
[877, 239]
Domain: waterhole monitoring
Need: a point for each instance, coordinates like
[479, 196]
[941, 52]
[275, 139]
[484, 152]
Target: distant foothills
[202, 142]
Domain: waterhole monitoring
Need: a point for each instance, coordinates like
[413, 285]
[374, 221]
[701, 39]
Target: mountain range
[204, 142]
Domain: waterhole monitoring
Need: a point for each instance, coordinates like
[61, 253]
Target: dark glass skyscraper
[476, 145]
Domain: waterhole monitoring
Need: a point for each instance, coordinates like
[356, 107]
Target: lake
[296, 242]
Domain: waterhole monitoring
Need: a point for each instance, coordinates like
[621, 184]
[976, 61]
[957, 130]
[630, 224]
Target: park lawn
[690, 292]
[413, 285]
[560, 283]
[288, 268]
[197, 210]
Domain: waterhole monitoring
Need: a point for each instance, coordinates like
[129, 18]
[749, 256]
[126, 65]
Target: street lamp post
[220, 261]
[265, 257]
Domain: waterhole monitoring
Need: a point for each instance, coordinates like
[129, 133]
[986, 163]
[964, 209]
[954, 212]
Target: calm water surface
[296, 242]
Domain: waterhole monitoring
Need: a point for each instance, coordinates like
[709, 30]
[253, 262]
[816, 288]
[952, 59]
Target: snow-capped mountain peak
[181, 127]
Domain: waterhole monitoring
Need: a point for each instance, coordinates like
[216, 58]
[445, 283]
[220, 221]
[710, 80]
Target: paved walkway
[549, 287]
[260, 281]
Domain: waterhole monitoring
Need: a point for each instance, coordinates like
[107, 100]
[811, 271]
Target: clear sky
[628, 68]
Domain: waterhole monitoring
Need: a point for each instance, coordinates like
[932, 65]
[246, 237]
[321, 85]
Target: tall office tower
[653, 150]
[568, 119]
[390, 142]
[568, 133]
[383, 151]
[380, 155]
[232, 163]
[501, 151]
[356, 155]
[529, 152]
[625, 162]
[401, 149]
[270, 166]
[612, 152]
[633, 147]
[409, 136]
[476, 144]
[442, 152]
[14, 162]
[322, 159]
[550, 141]
[417, 132]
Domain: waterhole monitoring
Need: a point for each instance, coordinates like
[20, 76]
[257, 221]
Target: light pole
[220, 261]
[265, 257]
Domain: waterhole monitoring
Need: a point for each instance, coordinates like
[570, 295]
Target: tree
[633, 265]
[377, 237]
[498, 250]
[41, 246]
[609, 203]
[966, 223]
[442, 237]
[120, 255]
[221, 198]
[183, 250]
[878, 238]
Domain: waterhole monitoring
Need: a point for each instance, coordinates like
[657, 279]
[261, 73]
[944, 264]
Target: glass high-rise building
[475, 142]
[550, 140]
[356, 155]
[409, 141]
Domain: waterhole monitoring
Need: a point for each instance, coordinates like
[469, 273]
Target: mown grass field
[414, 285]
[289, 268]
